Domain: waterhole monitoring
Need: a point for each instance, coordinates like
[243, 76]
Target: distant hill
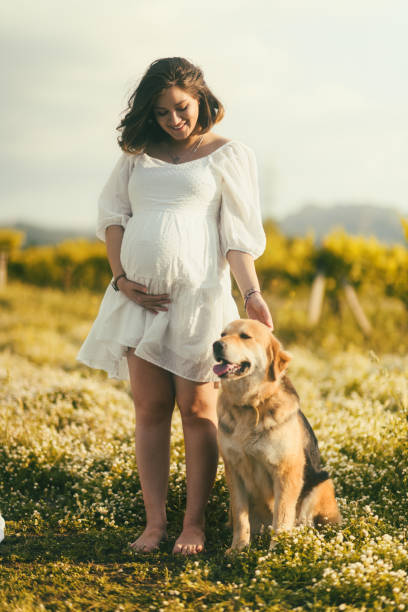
[36, 235]
[366, 220]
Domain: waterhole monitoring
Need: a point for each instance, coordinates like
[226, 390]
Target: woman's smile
[176, 112]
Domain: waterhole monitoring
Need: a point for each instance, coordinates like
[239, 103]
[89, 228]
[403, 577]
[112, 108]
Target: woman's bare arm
[243, 268]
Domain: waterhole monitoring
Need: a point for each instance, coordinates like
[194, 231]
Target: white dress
[180, 220]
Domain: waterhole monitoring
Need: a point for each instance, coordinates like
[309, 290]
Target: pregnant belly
[171, 249]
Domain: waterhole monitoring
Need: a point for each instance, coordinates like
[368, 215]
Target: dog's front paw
[237, 547]
[273, 543]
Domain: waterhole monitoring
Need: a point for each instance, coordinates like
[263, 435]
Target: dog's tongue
[222, 368]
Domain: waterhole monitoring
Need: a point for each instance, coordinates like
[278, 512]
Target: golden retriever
[270, 452]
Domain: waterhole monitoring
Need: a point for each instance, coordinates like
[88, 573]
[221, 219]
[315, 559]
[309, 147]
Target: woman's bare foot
[150, 539]
[190, 541]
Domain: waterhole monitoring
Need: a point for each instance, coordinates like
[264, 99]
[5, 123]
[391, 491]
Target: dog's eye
[244, 336]
[223, 334]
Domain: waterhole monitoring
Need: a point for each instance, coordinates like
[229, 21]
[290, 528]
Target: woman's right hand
[138, 293]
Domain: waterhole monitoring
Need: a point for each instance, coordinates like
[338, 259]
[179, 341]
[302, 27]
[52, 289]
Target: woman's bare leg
[153, 395]
[197, 404]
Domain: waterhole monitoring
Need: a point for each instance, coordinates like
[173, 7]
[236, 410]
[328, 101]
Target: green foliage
[70, 264]
[404, 223]
[364, 262]
[10, 240]
[289, 259]
[367, 262]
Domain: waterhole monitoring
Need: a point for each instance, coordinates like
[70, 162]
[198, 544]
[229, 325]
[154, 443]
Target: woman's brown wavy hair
[138, 127]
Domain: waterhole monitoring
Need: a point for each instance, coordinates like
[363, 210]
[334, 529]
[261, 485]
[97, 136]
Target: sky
[318, 88]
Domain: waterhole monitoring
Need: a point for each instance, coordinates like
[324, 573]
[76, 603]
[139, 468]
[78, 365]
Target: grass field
[70, 495]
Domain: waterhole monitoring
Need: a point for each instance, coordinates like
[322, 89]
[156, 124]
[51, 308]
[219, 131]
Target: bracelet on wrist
[114, 283]
[248, 294]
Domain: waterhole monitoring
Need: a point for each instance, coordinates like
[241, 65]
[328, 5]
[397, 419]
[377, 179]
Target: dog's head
[248, 348]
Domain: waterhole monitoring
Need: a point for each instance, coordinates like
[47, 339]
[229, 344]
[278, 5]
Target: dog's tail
[320, 506]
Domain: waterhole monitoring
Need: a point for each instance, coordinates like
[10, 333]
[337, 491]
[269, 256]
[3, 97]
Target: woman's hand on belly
[138, 294]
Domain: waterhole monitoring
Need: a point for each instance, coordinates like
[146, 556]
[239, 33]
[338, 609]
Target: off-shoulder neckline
[191, 160]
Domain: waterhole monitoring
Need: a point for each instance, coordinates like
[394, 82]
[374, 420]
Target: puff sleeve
[240, 220]
[114, 206]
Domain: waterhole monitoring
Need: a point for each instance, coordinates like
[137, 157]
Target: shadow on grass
[93, 546]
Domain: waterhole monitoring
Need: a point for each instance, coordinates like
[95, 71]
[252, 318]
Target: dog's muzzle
[226, 368]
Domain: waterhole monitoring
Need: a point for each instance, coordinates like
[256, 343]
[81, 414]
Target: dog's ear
[278, 359]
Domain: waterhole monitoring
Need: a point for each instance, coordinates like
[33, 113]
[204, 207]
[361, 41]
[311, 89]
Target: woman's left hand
[257, 308]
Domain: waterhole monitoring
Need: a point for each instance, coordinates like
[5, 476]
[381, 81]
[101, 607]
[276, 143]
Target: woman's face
[176, 112]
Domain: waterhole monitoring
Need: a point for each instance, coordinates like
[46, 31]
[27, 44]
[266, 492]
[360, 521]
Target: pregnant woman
[178, 212]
